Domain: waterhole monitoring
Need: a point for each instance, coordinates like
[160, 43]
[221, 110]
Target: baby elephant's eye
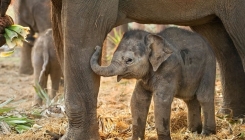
[129, 60]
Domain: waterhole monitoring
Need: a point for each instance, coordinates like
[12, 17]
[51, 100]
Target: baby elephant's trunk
[112, 70]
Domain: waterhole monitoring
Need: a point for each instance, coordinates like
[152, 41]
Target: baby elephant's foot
[135, 138]
[208, 132]
[163, 137]
[37, 102]
[197, 128]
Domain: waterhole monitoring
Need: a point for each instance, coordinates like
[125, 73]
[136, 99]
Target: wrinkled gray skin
[35, 14]
[45, 64]
[177, 63]
[81, 25]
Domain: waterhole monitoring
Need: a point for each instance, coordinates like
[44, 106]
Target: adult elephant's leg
[25, 60]
[232, 15]
[85, 25]
[232, 74]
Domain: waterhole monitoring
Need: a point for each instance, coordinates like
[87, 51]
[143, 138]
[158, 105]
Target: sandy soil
[13, 85]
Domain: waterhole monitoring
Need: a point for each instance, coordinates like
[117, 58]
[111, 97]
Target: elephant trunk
[4, 6]
[111, 70]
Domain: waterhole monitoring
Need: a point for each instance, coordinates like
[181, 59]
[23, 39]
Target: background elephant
[45, 64]
[174, 63]
[81, 25]
[36, 15]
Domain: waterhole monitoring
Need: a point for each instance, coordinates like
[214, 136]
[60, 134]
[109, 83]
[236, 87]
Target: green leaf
[7, 53]
[116, 38]
[42, 93]
[11, 34]
[22, 128]
[15, 120]
[20, 124]
[9, 42]
[23, 31]
[5, 109]
[242, 135]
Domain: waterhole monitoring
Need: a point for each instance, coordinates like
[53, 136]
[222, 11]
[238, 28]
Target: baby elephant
[173, 63]
[45, 63]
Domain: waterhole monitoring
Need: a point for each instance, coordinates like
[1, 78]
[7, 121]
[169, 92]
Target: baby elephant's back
[45, 44]
[44, 51]
[48, 42]
[186, 40]
[193, 53]
[190, 46]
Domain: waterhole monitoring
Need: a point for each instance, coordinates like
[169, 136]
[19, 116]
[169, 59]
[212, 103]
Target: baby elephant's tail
[45, 63]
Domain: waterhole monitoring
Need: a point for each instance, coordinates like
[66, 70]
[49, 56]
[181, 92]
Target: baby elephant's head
[137, 54]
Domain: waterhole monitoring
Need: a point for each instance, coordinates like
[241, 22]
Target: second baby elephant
[45, 64]
[173, 63]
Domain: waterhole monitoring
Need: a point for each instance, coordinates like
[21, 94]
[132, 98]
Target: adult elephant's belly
[167, 11]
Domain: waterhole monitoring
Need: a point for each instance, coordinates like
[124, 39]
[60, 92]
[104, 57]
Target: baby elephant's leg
[37, 64]
[194, 115]
[55, 76]
[140, 103]
[43, 80]
[209, 125]
[55, 84]
[162, 111]
[205, 96]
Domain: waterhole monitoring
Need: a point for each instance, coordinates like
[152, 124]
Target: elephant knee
[79, 115]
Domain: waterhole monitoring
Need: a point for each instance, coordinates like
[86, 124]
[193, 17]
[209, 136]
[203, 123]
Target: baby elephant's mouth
[125, 76]
[119, 78]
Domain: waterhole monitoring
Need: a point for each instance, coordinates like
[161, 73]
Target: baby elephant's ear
[160, 50]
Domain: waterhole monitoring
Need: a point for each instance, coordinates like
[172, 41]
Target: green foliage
[19, 124]
[42, 94]
[57, 102]
[45, 97]
[14, 36]
[116, 38]
[36, 113]
[4, 109]
[241, 135]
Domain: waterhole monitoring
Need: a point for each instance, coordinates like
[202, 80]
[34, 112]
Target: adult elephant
[80, 25]
[35, 14]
